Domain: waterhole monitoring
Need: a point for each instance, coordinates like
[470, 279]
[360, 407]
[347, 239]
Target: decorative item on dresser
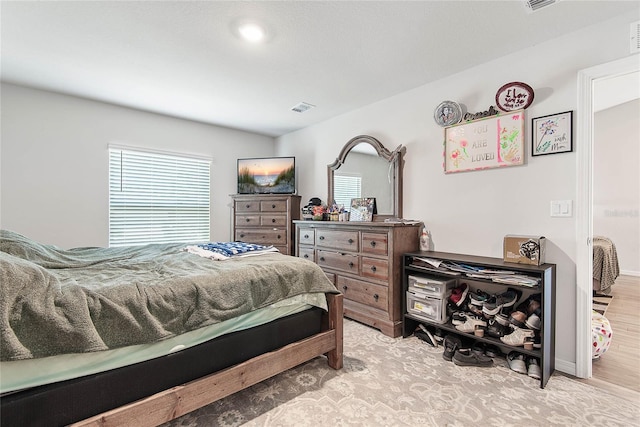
[266, 219]
[364, 261]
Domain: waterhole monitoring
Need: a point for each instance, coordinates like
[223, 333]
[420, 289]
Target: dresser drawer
[273, 206]
[247, 220]
[306, 236]
[331, 276]
[262, 236]
[375, 268]
[375, 243]
[273, 220]
[347, 240]
[247, 206]
[339, 261]
[306, 253]
[364, 292]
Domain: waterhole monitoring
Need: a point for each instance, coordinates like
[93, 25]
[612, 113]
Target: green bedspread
[56, 301]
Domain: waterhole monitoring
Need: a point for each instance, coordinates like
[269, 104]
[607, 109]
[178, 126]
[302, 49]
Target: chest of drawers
[364, 261]
[266, 220]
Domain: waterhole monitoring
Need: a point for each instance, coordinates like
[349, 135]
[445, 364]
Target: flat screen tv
[267, 175]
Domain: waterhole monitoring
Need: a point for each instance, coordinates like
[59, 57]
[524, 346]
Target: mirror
[365, 168]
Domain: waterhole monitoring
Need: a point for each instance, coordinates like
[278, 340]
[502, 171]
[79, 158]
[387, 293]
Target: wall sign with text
[487, 143]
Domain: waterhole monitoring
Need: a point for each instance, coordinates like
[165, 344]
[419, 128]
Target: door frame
[584, 202]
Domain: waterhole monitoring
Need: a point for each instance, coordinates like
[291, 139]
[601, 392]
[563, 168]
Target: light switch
[562, 208]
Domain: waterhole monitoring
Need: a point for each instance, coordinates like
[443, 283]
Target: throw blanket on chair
[605, 263]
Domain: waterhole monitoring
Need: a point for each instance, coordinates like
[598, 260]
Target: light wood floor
[620, 365]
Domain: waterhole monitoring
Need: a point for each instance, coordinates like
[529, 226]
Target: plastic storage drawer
[426, 307]
[432, 287]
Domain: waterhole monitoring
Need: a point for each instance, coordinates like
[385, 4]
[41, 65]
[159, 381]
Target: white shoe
[533, 368]
[517, 337]
[516, 362]
[470, 324]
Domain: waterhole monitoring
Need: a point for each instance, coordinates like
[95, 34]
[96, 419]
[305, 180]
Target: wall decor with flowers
[552, 134]
[492, 142]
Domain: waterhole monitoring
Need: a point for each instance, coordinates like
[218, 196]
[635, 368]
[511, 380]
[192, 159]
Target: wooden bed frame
[177, 401]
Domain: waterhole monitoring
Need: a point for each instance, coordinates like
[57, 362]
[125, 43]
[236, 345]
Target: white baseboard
[566, 367]
[630, 273]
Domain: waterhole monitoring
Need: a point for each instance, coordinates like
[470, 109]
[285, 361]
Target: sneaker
[537, 341]
[516, 362]
[517, 337]
[458, 318]
[492, 306]
[469, 358]
[533, 322]
[478, 348]
[503, 319]
[510, 297]
[478, 297]
[470, 325]
[459, 294]
[533, 369]
[476, 309]
[517, 318]
[451, 344]
[426, 336]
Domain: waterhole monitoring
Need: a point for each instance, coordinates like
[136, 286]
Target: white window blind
[157, 198]
[345, 188]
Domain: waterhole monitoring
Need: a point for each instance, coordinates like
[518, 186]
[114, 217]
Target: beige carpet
[405, 382]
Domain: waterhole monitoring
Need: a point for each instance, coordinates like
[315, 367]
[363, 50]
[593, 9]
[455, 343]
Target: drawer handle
[344, 288]
[306, 256]
[350, 241]
[350, 264]
[273, 206]
[321, 237]
[375, 297]
[306, 236]
[273, 220]
[321, 258]
[248, 206]
[241, 236]
[247, 220]
[373, 268]
[373, 244]
[279, 236]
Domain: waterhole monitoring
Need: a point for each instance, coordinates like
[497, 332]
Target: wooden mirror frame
[395, 157]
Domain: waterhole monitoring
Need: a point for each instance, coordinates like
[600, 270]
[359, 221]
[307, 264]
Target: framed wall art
[486, 143]
[552, 134]
[362, 209]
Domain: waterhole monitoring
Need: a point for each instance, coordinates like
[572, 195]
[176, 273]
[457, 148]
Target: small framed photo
[362, 209]
[552, 134]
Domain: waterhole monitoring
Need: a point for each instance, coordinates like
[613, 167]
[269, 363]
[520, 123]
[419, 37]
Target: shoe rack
[544, 274]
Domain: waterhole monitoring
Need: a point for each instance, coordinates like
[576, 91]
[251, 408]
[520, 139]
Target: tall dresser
[266, 219]
[364, 261]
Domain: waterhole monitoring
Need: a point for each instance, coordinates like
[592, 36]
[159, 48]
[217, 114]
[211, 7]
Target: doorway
[584, 202]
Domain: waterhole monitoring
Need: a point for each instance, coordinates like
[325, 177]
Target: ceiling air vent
[302, 107]
[534, 5]
[634, 46]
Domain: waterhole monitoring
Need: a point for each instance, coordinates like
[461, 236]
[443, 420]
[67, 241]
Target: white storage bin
[431, 287]
[426, 307]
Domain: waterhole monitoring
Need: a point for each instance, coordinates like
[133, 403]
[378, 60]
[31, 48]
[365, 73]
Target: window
[345, 188]
[157, 198]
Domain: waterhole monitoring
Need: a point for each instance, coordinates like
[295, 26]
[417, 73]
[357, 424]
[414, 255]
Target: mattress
[21, 374]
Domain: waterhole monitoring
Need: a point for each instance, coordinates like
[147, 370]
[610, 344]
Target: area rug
[601, 303]
[406, 382]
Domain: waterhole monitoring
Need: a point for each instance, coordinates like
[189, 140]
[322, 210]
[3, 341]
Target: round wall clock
[514, 96]
[448, 113]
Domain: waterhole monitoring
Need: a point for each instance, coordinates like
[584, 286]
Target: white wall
[470, 212]
[616, 181]
[54, 162]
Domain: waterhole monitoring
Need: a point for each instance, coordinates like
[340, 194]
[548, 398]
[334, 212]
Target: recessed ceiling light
[251, 32]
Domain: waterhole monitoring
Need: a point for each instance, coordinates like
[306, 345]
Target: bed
[605, 264]
[143, 335]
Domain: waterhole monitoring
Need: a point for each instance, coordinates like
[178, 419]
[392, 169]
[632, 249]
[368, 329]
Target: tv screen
[269, 175]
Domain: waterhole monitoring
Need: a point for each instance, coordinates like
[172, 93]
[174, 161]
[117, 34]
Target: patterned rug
[405, 382]
[601, 303]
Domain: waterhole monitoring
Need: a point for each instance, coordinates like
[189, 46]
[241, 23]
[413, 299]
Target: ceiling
[183, 58]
